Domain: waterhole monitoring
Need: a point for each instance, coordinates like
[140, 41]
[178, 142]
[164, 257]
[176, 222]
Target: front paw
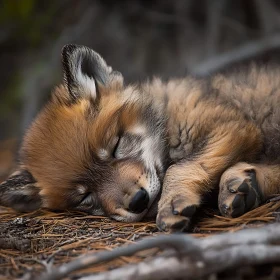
[239, 192]
[175, 213]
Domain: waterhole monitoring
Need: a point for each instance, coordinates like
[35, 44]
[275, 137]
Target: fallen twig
[181, 243]
[212, 262]
[193, 257]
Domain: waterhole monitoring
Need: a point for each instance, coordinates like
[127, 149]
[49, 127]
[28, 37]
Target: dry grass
[35, 240]
[30, 243]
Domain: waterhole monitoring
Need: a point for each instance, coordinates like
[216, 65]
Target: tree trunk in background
[138, 38]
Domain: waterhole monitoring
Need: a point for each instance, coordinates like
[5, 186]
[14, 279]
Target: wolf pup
[106, 148]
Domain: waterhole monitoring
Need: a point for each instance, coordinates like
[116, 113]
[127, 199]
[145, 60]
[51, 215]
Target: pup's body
[223, 132]
[101, 147]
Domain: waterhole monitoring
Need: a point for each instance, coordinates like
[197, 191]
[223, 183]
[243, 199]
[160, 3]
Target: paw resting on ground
[175, 213]
[239, 192]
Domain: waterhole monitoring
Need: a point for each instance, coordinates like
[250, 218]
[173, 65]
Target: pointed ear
[20, 192]
[85, 70]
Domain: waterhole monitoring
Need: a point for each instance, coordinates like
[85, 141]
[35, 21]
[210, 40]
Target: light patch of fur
[81, 189]
[154, 187]
[130, 94]
[86, 84]
[138, 130]
[148, 154]
[103, 153]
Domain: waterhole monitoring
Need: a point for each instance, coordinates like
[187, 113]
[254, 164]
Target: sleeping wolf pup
[127, 151]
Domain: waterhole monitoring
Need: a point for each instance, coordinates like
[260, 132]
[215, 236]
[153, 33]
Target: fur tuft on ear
[20, 192]
[84, 70]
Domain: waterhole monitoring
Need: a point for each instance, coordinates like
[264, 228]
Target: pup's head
[97, 146]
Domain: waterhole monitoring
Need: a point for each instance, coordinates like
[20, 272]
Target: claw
[175, 215]
[225, 209]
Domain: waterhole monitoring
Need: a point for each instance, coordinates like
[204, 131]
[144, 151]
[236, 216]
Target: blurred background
[139, 38]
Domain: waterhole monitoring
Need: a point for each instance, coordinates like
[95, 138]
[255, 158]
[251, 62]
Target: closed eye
[114, 153]
[87, 199]
[89, 203]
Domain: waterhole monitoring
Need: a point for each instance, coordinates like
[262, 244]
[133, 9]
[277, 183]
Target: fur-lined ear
[20, 192]
[84, 70]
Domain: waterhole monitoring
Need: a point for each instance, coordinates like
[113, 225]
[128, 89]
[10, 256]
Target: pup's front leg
[183, 187]
[186, 182]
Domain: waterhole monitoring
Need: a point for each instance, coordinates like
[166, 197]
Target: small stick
[181, 243]
[213, 261]
[214, 253]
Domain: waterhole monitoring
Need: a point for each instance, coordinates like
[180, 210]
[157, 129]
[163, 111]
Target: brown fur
[63, 140]
[218, 132]
[229, 119]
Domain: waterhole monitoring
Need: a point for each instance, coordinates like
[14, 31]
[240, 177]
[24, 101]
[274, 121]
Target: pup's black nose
[139, 202]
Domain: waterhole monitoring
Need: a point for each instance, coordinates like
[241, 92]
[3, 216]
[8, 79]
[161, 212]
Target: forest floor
[34, 242]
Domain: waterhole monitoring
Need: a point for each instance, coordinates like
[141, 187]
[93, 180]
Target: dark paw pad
[238, 206]
[173, 223]
[240, 197]
[172, 220]
[189, 211]
[183, 208]
[180, 226]
[244, 188]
